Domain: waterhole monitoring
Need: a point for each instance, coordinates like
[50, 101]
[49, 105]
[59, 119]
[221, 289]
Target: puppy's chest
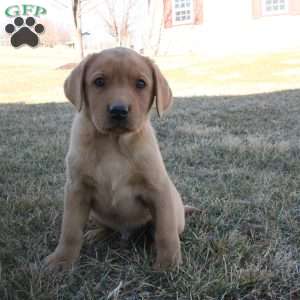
[113, 173]
[112, 179]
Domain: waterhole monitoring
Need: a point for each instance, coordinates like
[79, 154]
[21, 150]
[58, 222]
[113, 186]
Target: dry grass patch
[239, 74]
[37, 75]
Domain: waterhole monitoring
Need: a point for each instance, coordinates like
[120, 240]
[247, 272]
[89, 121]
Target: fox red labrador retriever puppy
[115, 170]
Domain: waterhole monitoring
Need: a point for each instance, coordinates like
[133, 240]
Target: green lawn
[236, 158]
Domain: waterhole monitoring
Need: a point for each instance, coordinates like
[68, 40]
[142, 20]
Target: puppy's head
[117, 88]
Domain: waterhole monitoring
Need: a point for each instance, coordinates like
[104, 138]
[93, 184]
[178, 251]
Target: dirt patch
[68, 66]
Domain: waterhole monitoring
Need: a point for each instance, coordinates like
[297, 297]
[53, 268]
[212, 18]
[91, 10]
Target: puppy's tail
[189, 210]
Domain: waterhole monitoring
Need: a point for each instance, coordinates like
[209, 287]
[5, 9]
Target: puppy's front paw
[168, 257]
[167, 262]
[59, 261]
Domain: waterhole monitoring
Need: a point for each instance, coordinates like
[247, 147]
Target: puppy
[115, 170]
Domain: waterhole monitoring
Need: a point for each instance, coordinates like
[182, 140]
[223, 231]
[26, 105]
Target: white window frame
[272, 11]
[174, 10]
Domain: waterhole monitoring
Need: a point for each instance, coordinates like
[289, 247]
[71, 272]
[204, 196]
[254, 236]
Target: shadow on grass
[237, 158]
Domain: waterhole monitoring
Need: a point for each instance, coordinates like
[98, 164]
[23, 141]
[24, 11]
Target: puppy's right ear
[161, 90]
[74, 84]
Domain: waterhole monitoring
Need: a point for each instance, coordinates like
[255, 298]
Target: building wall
[230, 27]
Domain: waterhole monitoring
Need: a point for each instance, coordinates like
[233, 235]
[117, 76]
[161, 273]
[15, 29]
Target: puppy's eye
[140, 84]
[99, 81]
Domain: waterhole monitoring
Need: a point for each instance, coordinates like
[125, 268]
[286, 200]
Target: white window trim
[174, 22]
[272, 12]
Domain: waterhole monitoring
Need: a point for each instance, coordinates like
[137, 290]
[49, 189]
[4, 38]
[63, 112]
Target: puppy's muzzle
[118, 112]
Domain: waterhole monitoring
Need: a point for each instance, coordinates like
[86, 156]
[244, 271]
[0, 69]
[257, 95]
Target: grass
[33, 75]
[236, 158]
[234, 75]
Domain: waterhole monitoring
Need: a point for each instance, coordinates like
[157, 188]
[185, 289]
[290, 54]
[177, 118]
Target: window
[182, 11]
[275, 6]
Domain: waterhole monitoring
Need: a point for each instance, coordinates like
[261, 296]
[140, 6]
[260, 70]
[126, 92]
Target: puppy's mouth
[118, 127]
[118, 130]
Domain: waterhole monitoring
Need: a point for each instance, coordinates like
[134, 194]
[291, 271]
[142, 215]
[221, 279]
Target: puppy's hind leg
[189, 210]
[98, 231]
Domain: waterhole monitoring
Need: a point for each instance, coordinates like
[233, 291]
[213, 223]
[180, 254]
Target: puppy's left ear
[162, 91]
[74, 84]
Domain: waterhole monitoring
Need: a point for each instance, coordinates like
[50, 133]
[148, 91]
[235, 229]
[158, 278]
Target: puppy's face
[117, 88]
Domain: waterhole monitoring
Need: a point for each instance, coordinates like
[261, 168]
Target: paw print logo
[22, 34]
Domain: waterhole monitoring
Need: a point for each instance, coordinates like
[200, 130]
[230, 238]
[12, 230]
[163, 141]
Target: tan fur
[116, 173]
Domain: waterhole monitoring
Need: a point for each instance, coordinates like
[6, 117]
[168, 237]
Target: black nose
[118, 111]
